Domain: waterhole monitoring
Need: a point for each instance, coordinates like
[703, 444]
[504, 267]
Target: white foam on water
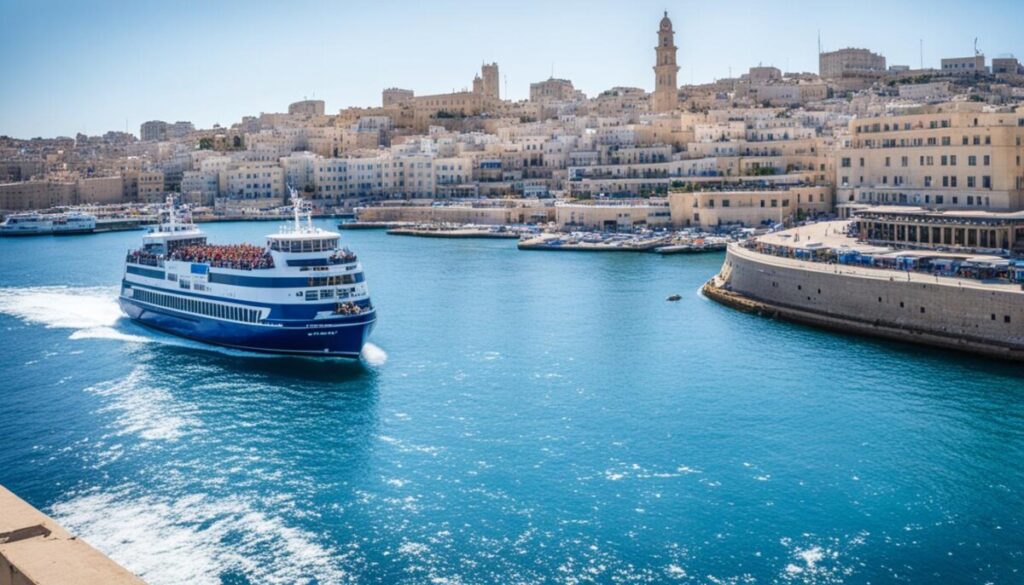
[92, 311]
[374, 355]
[108, 333]
[143, 409]
[198, 538]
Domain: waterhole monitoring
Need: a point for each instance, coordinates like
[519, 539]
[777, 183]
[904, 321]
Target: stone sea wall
[984, 319]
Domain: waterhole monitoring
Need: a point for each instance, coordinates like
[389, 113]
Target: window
[972, 161]
[986, 182]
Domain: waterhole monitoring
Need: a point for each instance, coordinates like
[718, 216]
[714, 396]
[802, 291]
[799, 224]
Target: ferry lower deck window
[311, 295]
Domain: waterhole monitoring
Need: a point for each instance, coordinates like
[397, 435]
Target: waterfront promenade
[830, 234]
[964, 314]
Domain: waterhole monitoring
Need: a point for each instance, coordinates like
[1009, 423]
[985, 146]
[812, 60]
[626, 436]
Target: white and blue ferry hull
[342, 337]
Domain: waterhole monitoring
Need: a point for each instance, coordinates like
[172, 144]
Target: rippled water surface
[521, 417]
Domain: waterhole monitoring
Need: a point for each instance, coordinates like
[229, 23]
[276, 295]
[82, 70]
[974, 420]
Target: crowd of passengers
[342, 257]
[237, 256]
[140, 257]
[348, 308]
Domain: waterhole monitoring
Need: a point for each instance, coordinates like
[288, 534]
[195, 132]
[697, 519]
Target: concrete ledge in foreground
[35, 550]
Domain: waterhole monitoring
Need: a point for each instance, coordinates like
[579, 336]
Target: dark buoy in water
[674, 298]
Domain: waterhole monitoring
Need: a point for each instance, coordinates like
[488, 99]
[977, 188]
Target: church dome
[666, 24]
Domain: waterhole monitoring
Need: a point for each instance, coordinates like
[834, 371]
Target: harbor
[528, 294]
[461, 402]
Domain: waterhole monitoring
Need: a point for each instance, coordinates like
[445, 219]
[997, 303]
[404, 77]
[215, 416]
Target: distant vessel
[299, 295]
[39, 224]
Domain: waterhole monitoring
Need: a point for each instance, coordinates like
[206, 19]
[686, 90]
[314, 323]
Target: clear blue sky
[80, 66]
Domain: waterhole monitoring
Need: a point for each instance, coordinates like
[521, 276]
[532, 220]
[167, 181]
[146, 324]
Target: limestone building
[850, 62]
[666, 88]
[154, 130]
[954, 156]
[394, 96]
[964, 65]
[307, 108]
[552, 90]
[491, 81]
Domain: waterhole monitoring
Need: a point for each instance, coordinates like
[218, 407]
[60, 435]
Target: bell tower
[666, 89]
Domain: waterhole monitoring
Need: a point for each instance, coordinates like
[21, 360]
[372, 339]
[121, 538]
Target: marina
[459, 231]
[593, 242]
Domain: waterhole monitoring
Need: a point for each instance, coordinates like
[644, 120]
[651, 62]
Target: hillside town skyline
[101, 102]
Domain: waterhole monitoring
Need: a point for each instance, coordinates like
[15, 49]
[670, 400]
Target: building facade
[850, 62]
[954, 157]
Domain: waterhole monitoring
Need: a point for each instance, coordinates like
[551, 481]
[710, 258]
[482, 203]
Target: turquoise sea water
[521, 417]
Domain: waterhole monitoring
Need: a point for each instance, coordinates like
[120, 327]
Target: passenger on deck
[236, 256]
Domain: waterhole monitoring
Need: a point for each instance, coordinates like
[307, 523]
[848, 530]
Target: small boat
[674, 298]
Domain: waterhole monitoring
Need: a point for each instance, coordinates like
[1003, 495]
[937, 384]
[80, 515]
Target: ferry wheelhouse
[299, 295]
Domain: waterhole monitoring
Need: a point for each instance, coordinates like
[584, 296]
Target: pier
[459, 232]
[581, 244]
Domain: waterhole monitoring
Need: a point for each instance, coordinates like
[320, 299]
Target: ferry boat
[298, 295]
[73, 222]
[39, 224]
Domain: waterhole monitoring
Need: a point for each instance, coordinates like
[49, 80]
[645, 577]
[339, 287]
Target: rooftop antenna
[922, 53]
[976, 47]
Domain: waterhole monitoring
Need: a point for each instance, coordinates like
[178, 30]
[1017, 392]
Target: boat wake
[201, 538]
[93, 313]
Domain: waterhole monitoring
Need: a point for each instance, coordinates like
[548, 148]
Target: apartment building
[256, 181]
[748, 204]
[200, 187]
[150, 186]
[956, 156]
[964, 65]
